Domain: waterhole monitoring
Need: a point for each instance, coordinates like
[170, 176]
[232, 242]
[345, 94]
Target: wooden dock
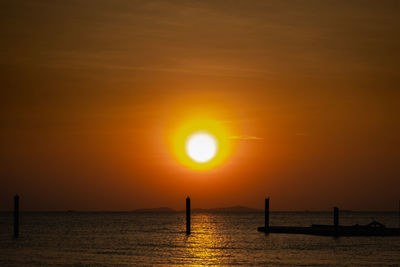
[372, 229]
[330, 230]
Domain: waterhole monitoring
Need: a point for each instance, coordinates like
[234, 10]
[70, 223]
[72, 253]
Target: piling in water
[336, 217]
[336, 221]
[188, 216]
[16, 216]
[266, 223]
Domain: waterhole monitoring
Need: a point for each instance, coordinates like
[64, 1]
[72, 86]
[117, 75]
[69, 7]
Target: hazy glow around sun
[201, 147]
[199, 143]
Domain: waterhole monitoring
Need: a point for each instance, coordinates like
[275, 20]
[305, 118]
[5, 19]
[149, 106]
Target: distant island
[233, 209]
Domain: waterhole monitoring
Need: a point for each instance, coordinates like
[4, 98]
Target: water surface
[77, 238]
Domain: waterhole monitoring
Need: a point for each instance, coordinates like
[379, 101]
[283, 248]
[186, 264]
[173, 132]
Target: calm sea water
[218, 239]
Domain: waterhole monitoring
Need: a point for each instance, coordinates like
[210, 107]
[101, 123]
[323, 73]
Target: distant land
[235, 209]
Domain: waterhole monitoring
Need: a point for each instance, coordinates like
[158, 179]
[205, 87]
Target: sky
[91, 90]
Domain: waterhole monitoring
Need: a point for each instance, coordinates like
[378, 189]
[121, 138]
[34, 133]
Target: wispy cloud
[245, 137]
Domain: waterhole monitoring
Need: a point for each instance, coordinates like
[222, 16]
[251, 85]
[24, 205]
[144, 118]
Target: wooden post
[266, 223]
[336, 217]
[188, 216]
[16, 216]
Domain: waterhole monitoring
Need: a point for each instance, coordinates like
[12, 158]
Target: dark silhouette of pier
[372, 229]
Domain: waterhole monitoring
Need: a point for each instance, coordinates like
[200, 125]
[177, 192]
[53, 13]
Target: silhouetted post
[336, 216]
[399, 213]
[266, 223]
[16, 216]
[336, 220]
[188, 216]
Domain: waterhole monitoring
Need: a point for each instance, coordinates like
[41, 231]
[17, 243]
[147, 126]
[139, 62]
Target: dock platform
[372, 229]
[330, 230]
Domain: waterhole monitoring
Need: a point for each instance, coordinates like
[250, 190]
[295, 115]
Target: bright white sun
[201, 147]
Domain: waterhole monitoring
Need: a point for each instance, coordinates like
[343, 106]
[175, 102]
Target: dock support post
[336, 221]
[336, 217]
[188, 216]
[16, 216]
[266, 223]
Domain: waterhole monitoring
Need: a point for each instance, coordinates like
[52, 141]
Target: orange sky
[310, 90]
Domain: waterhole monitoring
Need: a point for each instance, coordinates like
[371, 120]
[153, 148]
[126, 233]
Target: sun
[200, 144]
[201, 147]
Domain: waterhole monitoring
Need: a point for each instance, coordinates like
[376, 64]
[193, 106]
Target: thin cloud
[245, 137]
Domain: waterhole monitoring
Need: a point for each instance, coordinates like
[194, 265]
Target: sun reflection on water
[206, 241]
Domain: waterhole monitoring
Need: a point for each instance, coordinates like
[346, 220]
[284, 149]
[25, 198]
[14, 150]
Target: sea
[149, 238]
